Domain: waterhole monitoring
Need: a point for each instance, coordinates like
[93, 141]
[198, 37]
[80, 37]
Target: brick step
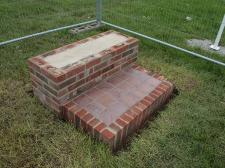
[118, 106]
[64, 73]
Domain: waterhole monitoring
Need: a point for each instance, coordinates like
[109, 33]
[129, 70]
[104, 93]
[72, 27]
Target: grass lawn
[189, 132]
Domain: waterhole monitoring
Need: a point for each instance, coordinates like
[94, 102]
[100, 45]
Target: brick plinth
[55, 85]
[95, 85]
[119, 105]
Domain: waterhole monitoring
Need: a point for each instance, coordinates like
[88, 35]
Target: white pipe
[215, 46]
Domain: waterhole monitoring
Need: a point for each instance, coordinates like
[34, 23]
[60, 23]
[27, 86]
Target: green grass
[166, 20]
[189, 132]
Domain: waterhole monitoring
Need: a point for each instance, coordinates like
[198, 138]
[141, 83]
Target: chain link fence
[19, 18]
[168, 22]
[176, 22]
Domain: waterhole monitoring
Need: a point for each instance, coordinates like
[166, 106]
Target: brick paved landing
[113, 97]
[119, 105]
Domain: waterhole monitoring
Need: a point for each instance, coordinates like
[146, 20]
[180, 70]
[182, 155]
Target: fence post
[99, 11]
[215, 46]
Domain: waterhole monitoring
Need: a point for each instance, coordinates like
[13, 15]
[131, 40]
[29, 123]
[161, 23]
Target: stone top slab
[82, 51]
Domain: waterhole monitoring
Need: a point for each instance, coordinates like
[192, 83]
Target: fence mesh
[173, 21]
[22, 17]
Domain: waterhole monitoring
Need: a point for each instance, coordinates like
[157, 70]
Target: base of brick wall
[119, 105]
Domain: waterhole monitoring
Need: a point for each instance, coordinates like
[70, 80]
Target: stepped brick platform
[62, 74]
[119, 105]
[95, 85]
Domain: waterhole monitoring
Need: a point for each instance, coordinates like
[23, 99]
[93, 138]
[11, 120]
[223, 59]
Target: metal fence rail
[30, 18]
[169, 23]
[166, 44]
[45, 32]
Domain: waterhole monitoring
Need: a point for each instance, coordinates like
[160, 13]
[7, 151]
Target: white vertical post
[215, 46]
[99, 11]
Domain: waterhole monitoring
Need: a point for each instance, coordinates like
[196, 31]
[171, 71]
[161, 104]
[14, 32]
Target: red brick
[62, 92]
[146, 103]
[69, 116]
[100, 66]
[116, 58]
[36, 63]
[157, 93]
[165, 86]
[107, 135]
[78, 117]
[121, 123]
[84, 120]
[108, 68]
[161, 88]
[93, 76]
[153, 96]
[36, 80]
[49, 53]
[139, 115]
[141, 106]
[52, 104]
[131, 114]
[114, 70]
[126, 118]
[73, 71]
[69, 105]
[120, 49]
[76, 85]
[93, 63]
[53, 74]
[87, 117]
[120, 62]
[80, 76]
[98, 129]
[118, 131]
[149, 99]
[91, 124]
[124, 125]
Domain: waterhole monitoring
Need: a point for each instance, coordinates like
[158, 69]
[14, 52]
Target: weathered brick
[93, 62]
[76, 85]
[108, 137]
[100, 66]
[84, 120]
[74, 71]
[120, 49]
[91, 125]
[78, 117]
[98, 129]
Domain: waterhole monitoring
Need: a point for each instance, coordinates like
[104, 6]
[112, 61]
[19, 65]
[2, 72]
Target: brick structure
[95, 85]
[56, 80]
